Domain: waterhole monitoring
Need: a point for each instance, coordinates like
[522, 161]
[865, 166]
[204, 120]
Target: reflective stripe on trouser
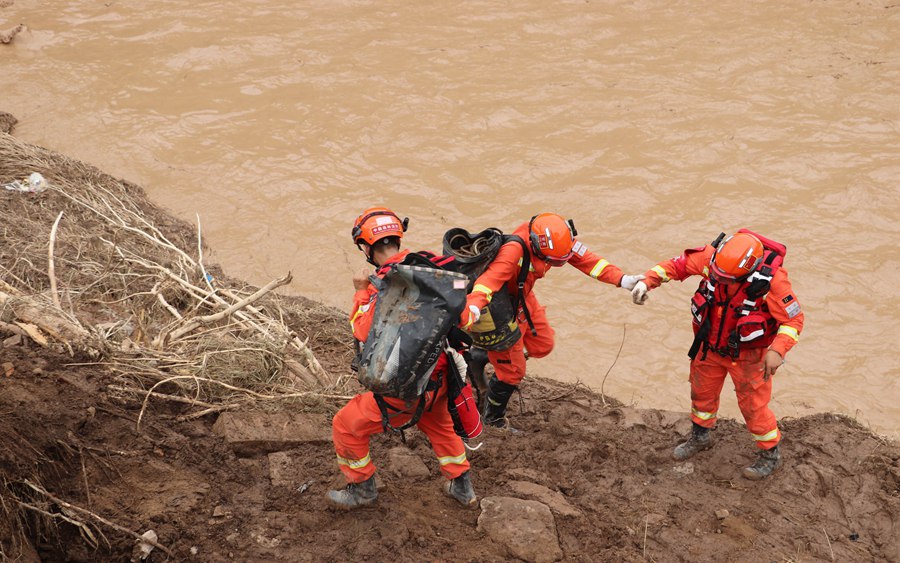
[509, 364]
[753, 394]
[360, 418]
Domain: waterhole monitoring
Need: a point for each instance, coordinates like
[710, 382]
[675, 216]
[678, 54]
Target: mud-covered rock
[526, 527]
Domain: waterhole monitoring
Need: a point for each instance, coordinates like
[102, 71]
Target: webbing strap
[520, 282]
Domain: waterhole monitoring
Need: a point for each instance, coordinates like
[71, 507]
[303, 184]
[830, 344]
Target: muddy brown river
[655, 125]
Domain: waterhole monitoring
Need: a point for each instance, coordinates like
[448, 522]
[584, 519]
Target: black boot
[698, 442]
[461, 489]
[355, 494]
[766, 462]
[498, 397]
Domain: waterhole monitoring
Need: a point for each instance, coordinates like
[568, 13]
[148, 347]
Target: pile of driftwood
[90, 267]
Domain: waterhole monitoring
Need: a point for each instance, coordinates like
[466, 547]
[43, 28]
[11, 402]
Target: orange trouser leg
[707, 378]
[753, 396]
[447, 446]
[360, 418]
[509, 364]
[350, 431]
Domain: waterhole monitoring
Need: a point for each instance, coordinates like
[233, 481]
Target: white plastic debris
[34, 184]
[142, 549]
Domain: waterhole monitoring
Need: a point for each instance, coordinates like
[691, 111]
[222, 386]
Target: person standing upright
[746, 317]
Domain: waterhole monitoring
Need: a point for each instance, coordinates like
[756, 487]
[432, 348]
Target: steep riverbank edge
[603, 469]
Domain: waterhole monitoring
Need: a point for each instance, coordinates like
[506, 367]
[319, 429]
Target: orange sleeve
[362, 312]
[692, 262]
[785, 308]
[594, 266]
[504, 268]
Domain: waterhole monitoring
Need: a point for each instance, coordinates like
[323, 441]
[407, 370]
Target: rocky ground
[85, 468]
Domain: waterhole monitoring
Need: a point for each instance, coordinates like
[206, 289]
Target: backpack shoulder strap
[520, 279]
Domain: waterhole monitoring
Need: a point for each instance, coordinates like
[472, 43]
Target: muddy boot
[698, 442]
[461, 489]
[476, 361]
[766, 462]
[498, 397]
[355, 495]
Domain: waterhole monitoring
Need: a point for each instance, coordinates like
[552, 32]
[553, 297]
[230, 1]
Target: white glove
[639, 294]
[476, 313]
[467, 320]
[629, 281]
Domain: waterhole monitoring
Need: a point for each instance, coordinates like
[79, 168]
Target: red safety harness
[726, 322]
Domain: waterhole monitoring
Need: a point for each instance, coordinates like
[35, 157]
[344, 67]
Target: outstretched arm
[691, 262]
[594, 265]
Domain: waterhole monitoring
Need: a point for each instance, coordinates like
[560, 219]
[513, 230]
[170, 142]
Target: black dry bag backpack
[418, 303]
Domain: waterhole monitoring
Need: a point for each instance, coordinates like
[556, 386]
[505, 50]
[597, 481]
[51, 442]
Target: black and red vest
[728, 318]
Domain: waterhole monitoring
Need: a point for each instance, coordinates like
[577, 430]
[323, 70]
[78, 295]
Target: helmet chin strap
[370, 255]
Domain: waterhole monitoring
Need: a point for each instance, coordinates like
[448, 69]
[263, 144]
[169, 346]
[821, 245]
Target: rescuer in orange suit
[746, 318]
[377, 233]
[550, 242]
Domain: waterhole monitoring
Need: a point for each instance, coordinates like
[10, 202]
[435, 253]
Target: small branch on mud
[829, 543]
[578, 383]
[210, 410]
[51, 267]
[231, 388]
[646, 525]
[616, 359]
[83, 528]
[175, 398]
[100, 519]
[87, 487]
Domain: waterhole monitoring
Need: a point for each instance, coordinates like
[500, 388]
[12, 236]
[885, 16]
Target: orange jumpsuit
[708, 374]
[360, 418]
[509, 364]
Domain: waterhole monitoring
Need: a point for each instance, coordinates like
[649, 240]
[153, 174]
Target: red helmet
[377, 223]
[552, 238]
[737, 257]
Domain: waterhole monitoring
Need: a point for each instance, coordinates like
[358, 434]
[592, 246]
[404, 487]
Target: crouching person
[425, 399]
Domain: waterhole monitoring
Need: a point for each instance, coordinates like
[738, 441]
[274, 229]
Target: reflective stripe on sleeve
[598, 269]
[768, 436]
[447, 460]
[662, 273]
[790, 331]
[362, 309]
[703, 415]
[485, 290]
[355, 463]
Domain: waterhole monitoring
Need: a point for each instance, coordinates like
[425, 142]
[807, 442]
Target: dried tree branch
[51, 267]
[97, 517]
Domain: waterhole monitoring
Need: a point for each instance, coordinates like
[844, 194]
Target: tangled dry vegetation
[90, 266]
[92, 272]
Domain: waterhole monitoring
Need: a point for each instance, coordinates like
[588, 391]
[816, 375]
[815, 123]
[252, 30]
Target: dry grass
[134, 278]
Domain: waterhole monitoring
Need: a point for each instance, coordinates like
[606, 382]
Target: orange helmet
[737, 257]
[552, 237]
[377, 223]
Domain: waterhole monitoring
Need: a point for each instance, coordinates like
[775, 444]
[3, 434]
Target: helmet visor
[557, 261]
[719, 275]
